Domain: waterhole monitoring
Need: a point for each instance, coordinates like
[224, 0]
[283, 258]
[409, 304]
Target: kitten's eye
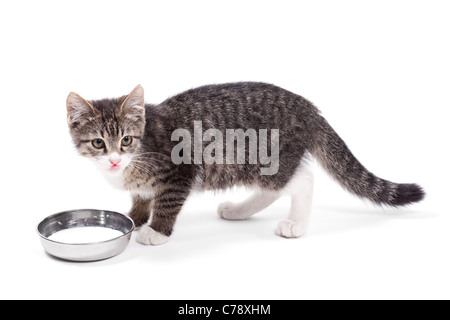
[127, 141]
[98, 143]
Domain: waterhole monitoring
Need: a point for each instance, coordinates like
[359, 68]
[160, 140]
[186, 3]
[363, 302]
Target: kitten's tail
[337, 159]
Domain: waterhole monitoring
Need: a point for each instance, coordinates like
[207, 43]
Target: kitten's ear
[134, 106]
[78, 109]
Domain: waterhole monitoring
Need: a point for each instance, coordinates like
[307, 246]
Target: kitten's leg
[301, 190]
[249, 207]
[140, 211]
[166, 206]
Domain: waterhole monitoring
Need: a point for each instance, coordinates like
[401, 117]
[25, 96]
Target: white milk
[85, 235]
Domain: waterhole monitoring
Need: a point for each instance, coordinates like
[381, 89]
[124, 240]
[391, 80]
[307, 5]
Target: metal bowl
[85, 218]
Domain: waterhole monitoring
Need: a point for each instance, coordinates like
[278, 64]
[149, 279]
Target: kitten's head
[108, 131]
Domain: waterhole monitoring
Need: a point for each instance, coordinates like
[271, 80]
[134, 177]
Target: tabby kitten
[133, 144]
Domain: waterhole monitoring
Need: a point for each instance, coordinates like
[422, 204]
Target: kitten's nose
[114, 162]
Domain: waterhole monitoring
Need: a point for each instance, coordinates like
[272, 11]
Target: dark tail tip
[407, 194]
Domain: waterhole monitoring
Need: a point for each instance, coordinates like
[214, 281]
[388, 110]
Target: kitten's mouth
[114, 167]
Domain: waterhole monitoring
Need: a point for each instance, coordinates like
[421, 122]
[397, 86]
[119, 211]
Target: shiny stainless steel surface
[85, 218]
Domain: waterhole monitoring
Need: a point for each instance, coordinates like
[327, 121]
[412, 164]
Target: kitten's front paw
[230, 211]
[147, 236]
[290, 229]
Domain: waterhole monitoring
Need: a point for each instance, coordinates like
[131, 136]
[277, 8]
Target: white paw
[147, 236]
[290, 229]
[230, 211]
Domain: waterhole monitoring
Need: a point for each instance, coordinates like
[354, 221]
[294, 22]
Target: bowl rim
[88, 243]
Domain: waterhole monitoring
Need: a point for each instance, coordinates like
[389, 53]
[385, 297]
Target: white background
[379, 71]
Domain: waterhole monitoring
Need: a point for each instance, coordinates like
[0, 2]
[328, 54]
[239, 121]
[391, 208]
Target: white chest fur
[118, 181]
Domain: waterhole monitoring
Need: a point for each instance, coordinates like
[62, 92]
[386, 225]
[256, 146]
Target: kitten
[134, 146]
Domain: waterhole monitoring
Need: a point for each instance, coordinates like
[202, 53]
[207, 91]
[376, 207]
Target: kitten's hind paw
[149, 237]
[290, 229]
[230, 211]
